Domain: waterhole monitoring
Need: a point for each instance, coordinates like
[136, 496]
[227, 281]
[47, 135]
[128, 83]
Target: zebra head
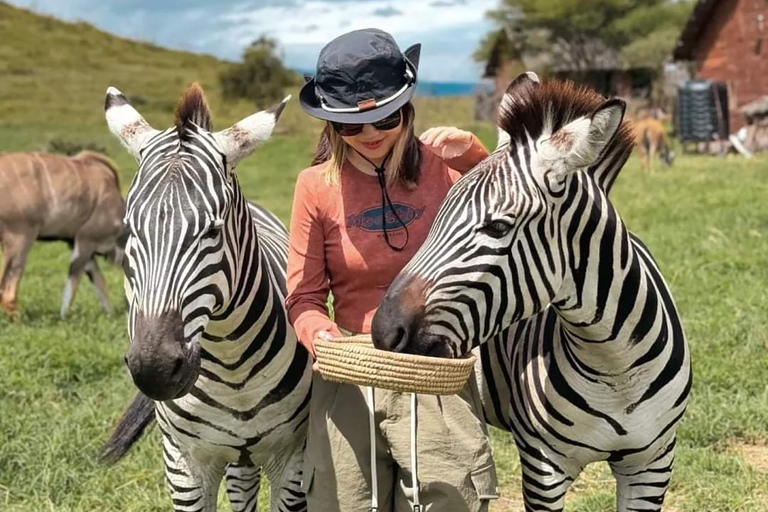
[183, 217]
[503, 242]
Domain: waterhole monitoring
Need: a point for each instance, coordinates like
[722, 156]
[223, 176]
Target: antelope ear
[580, 143]
[239, 140]
[125, 122]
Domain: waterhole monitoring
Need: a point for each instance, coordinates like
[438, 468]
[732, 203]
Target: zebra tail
[139, 415]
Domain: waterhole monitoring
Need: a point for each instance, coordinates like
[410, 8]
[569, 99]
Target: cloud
[387, 12]
[447, 3]
[302, 27]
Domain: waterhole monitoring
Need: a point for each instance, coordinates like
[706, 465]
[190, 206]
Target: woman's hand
[310, 346]
[447, 141]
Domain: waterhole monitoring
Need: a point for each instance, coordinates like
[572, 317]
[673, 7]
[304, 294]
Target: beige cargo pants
[456, 472]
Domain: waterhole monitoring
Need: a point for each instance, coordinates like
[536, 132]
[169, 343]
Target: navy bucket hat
[361, 77]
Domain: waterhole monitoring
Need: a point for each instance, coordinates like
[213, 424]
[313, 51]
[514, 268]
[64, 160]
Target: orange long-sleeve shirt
[337, 243]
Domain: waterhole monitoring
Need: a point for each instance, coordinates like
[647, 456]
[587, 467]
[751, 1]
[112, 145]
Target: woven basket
[353, 359]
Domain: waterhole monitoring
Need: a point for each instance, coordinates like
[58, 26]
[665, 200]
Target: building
[603, 73]
[726, 42]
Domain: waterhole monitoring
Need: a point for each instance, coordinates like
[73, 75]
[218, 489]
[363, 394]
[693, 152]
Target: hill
[53, 76]
[54, 72]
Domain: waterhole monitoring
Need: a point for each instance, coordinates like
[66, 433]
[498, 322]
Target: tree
[585, 34]
[261, 77]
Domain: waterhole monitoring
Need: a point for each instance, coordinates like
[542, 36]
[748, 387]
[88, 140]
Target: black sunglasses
[390, 122]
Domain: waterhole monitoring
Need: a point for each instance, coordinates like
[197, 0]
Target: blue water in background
[448, 88]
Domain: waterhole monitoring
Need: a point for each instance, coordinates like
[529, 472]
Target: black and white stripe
[582, 353]
[204, 260]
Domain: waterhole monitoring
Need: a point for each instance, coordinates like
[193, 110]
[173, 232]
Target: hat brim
[311, 103]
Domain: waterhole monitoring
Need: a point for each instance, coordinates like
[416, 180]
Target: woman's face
[372, 143]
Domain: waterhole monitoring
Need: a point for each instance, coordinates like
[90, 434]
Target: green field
[63, 384]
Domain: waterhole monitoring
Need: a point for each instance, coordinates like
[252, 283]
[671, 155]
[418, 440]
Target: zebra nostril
[177, 366]
[399, 339]
[125, 359]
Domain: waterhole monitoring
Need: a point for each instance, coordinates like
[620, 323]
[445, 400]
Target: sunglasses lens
[347, 130]
[389, 123]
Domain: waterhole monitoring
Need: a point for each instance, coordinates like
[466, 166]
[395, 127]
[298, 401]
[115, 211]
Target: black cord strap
[386, 201]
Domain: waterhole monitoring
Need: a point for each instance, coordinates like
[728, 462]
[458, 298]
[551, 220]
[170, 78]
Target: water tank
[702, 111]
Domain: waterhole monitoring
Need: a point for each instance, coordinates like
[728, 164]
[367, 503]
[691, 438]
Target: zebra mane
[193, 108]
[531, 109]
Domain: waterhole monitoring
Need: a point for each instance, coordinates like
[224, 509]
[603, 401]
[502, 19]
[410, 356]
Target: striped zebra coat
[582, 353]
[210, 339]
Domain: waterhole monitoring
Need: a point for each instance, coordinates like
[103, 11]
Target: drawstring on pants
[414, 458]
[372, 430]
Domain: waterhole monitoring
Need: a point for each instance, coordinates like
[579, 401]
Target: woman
[358, 217]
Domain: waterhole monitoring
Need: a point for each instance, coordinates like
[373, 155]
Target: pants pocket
[485, 483]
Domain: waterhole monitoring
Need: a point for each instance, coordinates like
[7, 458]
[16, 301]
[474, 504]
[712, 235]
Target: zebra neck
[605, 307]
[246, 276]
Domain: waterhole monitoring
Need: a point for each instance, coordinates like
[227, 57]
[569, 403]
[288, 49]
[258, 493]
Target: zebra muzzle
[164, 366]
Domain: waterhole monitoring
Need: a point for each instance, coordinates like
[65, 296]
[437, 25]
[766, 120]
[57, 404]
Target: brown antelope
[650, 138]
[72, 199]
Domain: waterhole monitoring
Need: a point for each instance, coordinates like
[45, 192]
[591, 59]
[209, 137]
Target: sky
[449, 30]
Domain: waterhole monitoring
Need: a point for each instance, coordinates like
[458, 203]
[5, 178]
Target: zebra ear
[239, 140]
[517, 92]
[581, 143]
[125, 122]
[502, 139]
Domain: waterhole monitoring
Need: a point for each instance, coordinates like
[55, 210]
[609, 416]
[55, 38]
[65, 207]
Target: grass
[63, 384]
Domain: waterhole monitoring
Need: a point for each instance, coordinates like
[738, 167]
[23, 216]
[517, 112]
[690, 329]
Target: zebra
[582, 352]
[210, 341]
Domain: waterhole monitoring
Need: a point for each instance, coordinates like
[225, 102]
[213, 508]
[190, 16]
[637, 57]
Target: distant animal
[210, 339]
[72, 199]
[582, 351]
[650, 139]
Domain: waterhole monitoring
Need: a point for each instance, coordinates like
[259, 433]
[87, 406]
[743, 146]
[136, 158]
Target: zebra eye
[213, 230]
[496, 228]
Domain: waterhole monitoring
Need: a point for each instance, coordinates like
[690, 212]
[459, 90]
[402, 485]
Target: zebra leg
[642, 488]
[243, 483]
[193, 489]
[544, 484]
[287, 495]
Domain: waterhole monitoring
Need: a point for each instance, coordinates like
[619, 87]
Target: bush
[261, 78]
[73, 147]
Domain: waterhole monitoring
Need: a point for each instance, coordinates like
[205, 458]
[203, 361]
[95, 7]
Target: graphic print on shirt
[371, 219]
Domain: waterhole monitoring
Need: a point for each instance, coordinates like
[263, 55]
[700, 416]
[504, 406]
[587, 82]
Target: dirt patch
[754, 453]
[508, 504]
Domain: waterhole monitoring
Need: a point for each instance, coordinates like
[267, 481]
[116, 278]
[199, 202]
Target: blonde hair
[403, 166]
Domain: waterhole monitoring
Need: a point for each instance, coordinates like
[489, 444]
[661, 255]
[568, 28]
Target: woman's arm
[307, 281]
[460, 149]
